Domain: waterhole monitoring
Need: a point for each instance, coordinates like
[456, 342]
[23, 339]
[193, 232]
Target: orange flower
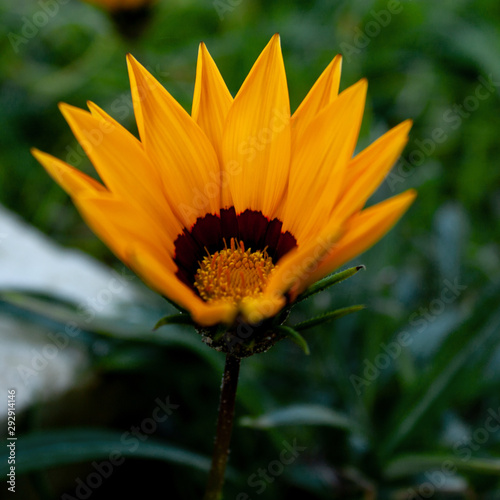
[234, 211]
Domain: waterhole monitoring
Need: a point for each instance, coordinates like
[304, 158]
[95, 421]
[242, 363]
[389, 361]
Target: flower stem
[224, 427]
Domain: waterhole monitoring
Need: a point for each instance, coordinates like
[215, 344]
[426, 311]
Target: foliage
[399, 400]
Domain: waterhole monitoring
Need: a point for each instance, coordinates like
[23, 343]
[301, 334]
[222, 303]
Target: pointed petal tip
[42, 157]
[404, 127]
[62, 106]
[68, 110]
[360, 88]
[132, 62]
[94, 108]
[275, 42]
[337, 61]
[203, 52]
[363, 83]
[411, 194]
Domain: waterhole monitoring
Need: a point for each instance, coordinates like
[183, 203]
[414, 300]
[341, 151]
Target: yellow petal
[362, 231]
[322, 93]
[121, 226]
[320, 160]
[119, 160]
[211, 100]
[74, 182]
[256, 309]
[138, 242]
[368, 169]
[302, 261]
[256, 142]
[164, 281]
[98, 112]
[177, 146]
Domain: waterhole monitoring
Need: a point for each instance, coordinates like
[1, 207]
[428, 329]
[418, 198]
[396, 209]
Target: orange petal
[256, 142]
[211, 103]
[73, 181]
[121, 225]
[119, 160]
[211, 100]
[256, 309]
[368, 169]
[322, 93]
[98, 112]
[177, 146]
[320, 160]
[302, 261]
[164, 281]
[362, 231]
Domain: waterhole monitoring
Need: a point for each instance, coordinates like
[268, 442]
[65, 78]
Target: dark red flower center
[212, 233]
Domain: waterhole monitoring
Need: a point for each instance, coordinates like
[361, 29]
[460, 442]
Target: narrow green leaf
[473, 339]
[174, 319]
[300, 414]
[409, 465]
[329, 316]
[329, 281]
[295, 337]
[40, 451]
[173, 304]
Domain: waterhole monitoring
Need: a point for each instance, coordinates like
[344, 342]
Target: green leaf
[329, 316]
[473, 339]
[295, 337]
[301, 414]
[42, 451]
[329, 281]
[174, 319]
[175, 306]
[409, 465]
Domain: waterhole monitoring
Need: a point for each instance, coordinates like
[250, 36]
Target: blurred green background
[398, 401]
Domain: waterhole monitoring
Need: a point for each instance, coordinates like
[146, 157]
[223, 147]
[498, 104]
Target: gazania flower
[235, 210]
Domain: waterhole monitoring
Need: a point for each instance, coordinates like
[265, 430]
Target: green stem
[224, 427]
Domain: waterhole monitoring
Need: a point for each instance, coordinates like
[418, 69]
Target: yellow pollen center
[233, 274]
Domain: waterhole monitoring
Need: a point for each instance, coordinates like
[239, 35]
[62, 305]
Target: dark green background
[415, 408]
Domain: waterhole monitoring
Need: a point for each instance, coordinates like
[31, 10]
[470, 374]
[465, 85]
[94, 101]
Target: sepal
[329, 316]
[329, 281]
[295, 337]
[174, 319]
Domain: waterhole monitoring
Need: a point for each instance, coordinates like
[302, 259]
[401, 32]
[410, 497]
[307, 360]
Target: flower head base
[232, 212]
